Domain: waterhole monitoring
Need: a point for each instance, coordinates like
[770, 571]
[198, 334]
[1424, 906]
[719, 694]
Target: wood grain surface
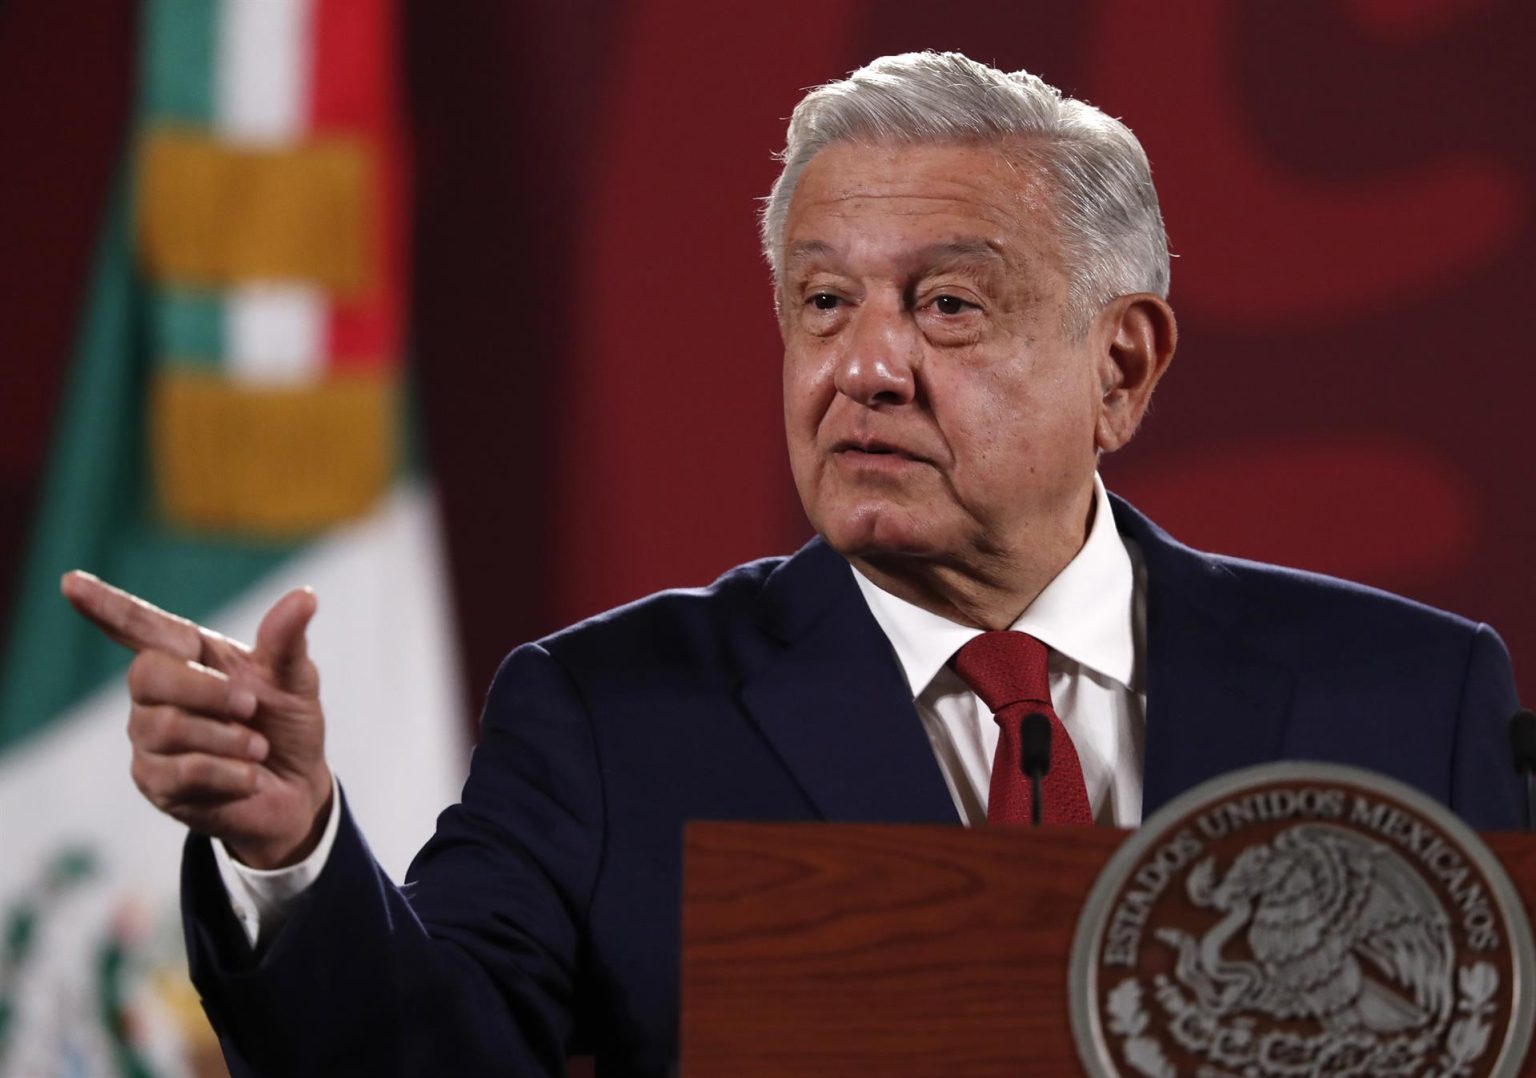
[813, 950]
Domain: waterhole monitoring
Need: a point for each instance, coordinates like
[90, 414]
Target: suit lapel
[830, 698]
[1215, 700]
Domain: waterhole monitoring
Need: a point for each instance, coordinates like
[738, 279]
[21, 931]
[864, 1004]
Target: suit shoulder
[1283, 603]
[1285, 585]
[1328, 610]
[676, 623]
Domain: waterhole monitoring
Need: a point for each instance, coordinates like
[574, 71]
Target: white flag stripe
[263, 68]
[275, 334]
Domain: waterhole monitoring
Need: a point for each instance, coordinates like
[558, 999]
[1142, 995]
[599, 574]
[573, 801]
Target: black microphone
[1522, 748]
[1035, 756]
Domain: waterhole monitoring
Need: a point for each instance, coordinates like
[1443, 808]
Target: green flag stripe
[176, 61]
[188, 326]
[51, 656]
[97, 512]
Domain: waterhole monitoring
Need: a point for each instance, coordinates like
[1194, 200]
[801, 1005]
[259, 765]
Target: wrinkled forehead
[1013, 169]
[977, 204]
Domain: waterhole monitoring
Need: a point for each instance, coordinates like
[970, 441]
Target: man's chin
[873, 536]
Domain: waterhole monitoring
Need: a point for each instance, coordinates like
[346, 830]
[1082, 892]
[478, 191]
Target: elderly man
[970, 274]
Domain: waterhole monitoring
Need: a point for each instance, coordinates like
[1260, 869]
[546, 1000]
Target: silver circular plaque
[1300, 919]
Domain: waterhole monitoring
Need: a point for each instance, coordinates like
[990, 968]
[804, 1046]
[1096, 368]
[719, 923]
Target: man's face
[934, 404]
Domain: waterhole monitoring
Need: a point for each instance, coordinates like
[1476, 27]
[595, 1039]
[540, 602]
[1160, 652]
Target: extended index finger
[129, 620]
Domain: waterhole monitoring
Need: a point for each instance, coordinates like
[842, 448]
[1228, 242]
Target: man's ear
[1138, 335]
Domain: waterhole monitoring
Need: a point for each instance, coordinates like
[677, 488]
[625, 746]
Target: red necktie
[1009, 671]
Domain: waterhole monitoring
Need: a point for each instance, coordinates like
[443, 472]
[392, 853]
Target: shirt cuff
[262, 898]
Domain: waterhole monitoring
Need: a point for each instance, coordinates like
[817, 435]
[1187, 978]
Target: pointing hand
[228, 739]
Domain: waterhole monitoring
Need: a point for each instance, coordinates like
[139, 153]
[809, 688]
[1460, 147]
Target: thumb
[280, 642]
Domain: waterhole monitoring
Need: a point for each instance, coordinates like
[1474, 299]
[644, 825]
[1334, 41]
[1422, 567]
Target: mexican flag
[236, 423]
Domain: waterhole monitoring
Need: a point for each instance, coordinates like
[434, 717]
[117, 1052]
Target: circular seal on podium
[1300, 919]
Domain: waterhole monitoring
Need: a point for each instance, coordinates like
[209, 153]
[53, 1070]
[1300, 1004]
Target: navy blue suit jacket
[545, 911]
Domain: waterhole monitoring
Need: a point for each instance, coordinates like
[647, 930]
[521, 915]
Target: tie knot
[1005, 668]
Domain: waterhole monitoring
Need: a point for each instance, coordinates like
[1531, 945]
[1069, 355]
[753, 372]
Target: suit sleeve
[1485, 791]
[474, 967]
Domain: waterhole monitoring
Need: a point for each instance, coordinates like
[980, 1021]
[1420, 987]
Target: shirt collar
[1084, 614]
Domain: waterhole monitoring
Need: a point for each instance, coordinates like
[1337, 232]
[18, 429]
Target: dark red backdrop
[1348, 186]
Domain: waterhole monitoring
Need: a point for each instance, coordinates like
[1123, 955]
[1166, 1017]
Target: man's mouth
[854, 449]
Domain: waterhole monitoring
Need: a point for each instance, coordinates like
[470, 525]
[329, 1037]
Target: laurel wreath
[1468, 1038]
[1465, 1042]
[1129, 1021]
[20, 932]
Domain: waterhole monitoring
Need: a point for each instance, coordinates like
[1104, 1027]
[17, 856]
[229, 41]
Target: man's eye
[949, 304]
[824, 301]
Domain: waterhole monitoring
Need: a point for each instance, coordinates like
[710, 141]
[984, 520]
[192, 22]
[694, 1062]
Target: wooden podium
[844, 949]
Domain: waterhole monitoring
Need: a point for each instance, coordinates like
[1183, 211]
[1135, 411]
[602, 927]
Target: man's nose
[880, 349]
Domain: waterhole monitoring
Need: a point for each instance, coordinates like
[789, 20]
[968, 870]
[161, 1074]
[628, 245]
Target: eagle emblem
[1298, 920]
[1337, 929]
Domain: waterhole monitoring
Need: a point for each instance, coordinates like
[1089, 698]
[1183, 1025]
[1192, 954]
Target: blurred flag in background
[236, 422]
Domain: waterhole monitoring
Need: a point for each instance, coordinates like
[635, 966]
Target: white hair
[1108, 221]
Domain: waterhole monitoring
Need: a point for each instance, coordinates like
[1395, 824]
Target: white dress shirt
[261, 898]
[1092, 617]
